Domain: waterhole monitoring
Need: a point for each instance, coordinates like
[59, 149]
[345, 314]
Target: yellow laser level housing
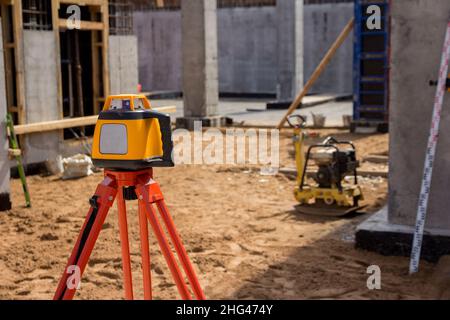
[129, 135]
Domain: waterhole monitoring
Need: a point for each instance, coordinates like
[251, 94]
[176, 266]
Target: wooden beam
[383, 173]
[70, 123]
[8, 57]
[6, 2]
[104, 9]
[55, 17]
[84, 25]
[316, 74]
[95, 58]
[18, 57]
[374, 158]
[13, 109]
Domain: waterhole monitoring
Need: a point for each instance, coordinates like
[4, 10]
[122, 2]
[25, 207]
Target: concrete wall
[418, 30]
[4, 163]
[247, 48]
[123, 64]
[40, 93]
[323, 23]
[159, 49]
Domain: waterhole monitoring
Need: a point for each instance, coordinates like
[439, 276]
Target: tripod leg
[125, 246]
[143, 195]
[145, 253]
[181, 251]
[101, 202]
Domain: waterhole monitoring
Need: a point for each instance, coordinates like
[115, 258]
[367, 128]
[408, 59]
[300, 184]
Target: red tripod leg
[141, 191]
[181, 251]
[145, 254]
[125, 246]
[101, 202]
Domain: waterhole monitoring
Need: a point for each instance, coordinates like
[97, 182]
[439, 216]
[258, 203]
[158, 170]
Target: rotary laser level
[129, 135]
[130, 139]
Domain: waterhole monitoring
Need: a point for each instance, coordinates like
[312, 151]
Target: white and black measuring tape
[429, 158]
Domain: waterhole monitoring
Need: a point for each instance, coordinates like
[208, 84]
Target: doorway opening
[77, 77]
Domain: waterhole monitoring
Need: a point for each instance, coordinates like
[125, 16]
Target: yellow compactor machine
[324, 191]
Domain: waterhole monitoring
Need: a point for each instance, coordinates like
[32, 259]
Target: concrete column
[5, 203]
[200, 65]
[41, 92]
[290, 49]
[123, 64]
[417, 34]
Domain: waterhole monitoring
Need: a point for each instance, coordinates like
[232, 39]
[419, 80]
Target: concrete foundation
[123, 64]
[417, 34]
[41, 91]
[5, 202]
[200, 66]
[379, 235]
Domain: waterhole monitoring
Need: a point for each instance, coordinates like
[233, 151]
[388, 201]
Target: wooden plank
[8, 58]
[316, 74]
[374, 173]
[105, 38]
[70, 123]
[13, 109]
[18, 57]
[376, 159]
[84, 25]
[59, 96]
[95, 57]
[361, 173]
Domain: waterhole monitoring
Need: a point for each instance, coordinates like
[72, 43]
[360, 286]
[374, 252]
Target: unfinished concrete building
[61, 59]
[261, 44]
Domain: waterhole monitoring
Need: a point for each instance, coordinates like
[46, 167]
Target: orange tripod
[136, 185]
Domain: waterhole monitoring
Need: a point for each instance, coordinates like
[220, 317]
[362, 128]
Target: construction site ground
[239, 227]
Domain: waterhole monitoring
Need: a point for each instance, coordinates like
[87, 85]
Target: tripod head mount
[130, 136]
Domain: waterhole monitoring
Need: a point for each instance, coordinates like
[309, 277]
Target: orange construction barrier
[136, 185]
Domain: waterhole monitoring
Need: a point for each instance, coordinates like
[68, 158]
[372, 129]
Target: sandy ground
[239, 227]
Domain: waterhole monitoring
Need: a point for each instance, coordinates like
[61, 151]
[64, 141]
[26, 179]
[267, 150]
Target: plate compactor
[329, 194]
